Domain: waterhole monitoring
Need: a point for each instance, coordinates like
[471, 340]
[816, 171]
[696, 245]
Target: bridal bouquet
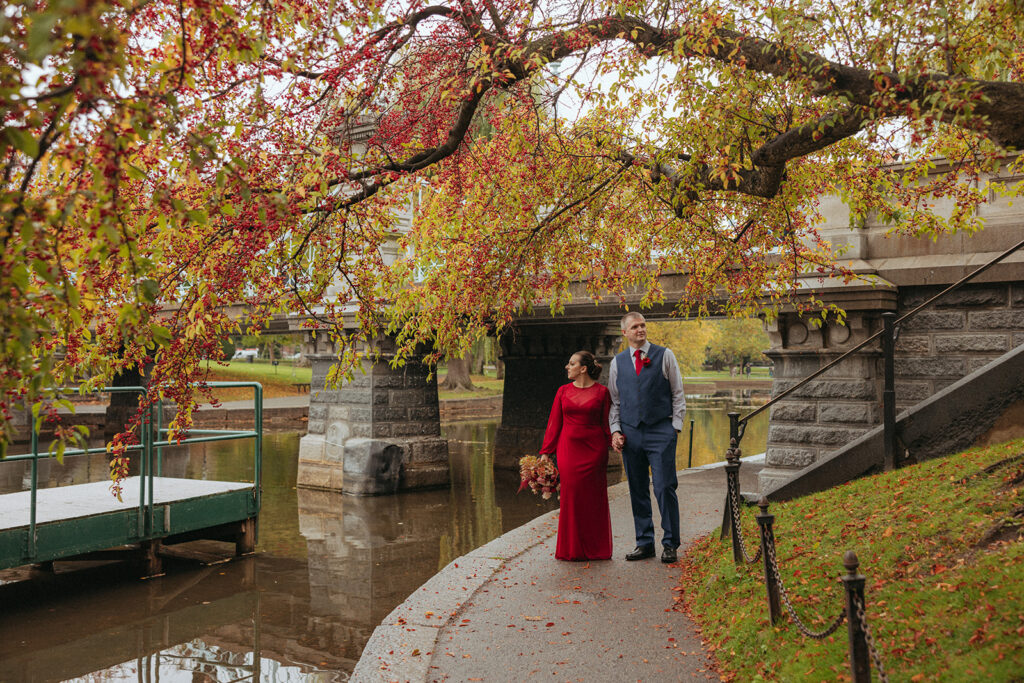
[541, 476]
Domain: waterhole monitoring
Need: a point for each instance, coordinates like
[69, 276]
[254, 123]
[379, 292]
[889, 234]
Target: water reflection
[710, 418]
[329, 569]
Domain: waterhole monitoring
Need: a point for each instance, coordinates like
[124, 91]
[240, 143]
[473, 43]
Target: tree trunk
[458, 376]
[477, 361]
[499, 369]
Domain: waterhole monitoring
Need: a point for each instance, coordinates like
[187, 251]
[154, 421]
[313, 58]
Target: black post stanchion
[727, 507]
[730, 523]
[732, 480]
[689, 458]
[764, 523]
[860, 664]
[889, 390]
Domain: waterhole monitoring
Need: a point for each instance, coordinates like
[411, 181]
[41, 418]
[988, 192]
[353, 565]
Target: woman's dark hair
[589, 363]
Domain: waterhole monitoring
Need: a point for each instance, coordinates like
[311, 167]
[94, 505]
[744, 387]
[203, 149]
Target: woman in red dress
[578, 435]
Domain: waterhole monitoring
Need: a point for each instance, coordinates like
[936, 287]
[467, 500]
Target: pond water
[710, 417]
[329, 568]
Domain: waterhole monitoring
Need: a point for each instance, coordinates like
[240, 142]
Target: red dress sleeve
[605, 407]
[554, 424]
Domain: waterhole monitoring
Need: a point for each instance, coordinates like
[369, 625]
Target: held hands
[618, 441]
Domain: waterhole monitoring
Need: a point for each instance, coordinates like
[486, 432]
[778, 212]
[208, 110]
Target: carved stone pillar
[535, 356]
[833, 409]
[378, 433]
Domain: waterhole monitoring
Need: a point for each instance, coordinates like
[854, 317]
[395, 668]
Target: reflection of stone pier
[377, 433]
[360, 559]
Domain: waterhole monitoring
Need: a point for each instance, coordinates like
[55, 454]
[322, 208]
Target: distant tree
[688, 340]
[736, 341]
[458, 377]
[227, 349]
[479, 356]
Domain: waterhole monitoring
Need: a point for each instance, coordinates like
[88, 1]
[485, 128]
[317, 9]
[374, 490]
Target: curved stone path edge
[481, 616]
[401, 647]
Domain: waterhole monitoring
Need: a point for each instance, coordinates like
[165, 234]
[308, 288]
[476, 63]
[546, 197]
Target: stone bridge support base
[535, 356]
[376, 434]
[830, 411]
[959, 334]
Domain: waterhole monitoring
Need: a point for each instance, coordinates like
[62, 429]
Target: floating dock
[87, 522]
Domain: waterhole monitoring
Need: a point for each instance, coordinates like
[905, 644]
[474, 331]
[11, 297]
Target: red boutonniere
[644, 360]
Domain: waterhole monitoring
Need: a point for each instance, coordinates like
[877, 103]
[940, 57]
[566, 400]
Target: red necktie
[638, 363]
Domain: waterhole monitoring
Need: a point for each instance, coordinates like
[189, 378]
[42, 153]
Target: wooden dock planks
[84, 518]
[84, 500]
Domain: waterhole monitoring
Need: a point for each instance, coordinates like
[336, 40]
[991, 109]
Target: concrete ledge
[949, 421]
[757, 459]
[95, 421]
[231, 415]
[470, 408]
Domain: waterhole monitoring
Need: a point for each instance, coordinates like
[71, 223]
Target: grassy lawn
[280, 381]
[485, 386]
[262, 369]
[941, 546]
[277, 381]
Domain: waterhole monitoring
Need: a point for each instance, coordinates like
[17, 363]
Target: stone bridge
[380, 432]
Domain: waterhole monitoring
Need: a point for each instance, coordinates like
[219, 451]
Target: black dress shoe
[668, 555]
[641, 552]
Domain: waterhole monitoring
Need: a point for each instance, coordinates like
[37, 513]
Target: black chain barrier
[862, 618]
[733, 486]
[862, 649]
[816, 635]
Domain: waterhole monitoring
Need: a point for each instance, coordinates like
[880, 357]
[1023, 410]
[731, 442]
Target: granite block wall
[948, 340]
[393, 405]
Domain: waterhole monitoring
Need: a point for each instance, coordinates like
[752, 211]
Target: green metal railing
[151, 446]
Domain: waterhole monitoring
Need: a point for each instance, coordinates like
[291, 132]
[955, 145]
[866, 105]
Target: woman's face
[573, 369]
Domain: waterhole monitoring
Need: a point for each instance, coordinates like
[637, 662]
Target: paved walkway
[510, 611]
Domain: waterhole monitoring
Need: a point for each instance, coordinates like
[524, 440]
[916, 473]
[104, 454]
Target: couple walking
[639, 414]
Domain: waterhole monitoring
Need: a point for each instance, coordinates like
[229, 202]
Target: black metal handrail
[861, 643]
[737, 425]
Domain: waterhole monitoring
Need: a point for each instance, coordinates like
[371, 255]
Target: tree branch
[995, 105]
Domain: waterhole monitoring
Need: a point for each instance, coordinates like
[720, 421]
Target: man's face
[635, 332]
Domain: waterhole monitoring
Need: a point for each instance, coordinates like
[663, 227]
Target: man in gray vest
[647, 411]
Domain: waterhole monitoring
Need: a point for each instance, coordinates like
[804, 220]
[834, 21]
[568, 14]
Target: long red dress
[578, 435]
